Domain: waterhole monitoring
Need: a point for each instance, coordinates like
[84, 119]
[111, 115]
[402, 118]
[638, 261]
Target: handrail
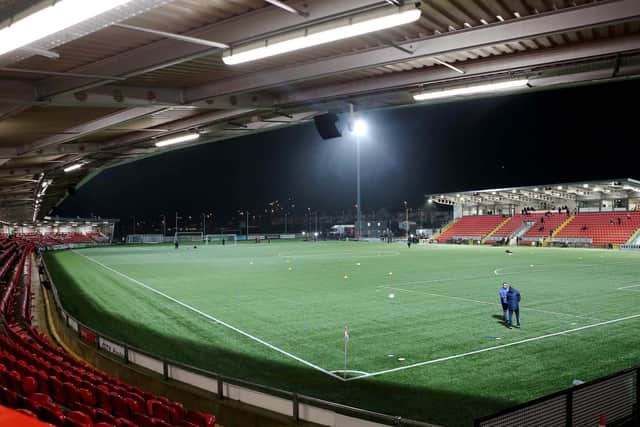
[295, 398]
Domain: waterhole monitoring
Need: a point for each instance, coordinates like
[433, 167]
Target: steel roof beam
[590, 15]
[502, 64]
[166, 52]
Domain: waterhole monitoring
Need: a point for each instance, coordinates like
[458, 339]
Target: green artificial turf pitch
[285, 305]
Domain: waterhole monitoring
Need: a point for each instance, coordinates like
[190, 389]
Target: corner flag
[346, 333]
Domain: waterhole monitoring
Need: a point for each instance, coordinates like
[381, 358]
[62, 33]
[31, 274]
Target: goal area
[187, 237]
[216, 239]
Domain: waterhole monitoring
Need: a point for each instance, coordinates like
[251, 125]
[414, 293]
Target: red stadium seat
[14, 380]
[120, 407]
[104, 416]
[142, 420]
[29, 385]
[70, 393]
[101, 424]
[51, 413]
[184, 423]
[135, 405]
[26, 412]
[123, 422]
[200, 419]
[88, 397]
[104, 399]
[80, 417]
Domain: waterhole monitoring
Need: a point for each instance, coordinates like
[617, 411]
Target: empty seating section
[41, 379]
[50, 239]
[603, 228]
[545, 223]
[471, 227]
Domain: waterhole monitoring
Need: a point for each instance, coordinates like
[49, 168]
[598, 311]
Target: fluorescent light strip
[281, 5]
[60, 16]
[178, 140]
[471, 90]
[320, 34]
[73, 167]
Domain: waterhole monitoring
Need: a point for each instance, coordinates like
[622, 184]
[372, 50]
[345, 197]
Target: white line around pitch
[220, 322]
[497, 347]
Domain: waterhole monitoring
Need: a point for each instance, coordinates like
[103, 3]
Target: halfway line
[497, 347]
[489, 303]
[246, 334]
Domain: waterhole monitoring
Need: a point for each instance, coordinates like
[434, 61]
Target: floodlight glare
[50, 20]
[339, 29]
[360, 127]
[178, 140]
[471, 90]
[73, 167]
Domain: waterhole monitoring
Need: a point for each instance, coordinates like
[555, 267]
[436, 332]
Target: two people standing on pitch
[510, 300]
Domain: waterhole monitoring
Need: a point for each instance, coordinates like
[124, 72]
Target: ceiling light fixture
[471, 90]
[57, 17]
[315, 35]
[73, 167]
[178, 140]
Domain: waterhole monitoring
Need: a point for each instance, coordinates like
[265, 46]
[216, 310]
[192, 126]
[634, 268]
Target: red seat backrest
[29, 385]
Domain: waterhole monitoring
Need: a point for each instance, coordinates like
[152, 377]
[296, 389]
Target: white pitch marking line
[626, 288]
[497, 347]
[490, 303]
[246, 334]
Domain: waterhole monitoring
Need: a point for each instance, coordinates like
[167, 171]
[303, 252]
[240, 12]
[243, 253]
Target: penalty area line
[497, 347]
[218, 321]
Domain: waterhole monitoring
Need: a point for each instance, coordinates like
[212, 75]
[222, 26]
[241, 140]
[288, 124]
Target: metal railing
[297, 406]
[614, 396]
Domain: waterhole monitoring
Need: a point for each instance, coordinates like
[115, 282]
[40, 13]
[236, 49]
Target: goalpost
[216, 239]
[189, 237]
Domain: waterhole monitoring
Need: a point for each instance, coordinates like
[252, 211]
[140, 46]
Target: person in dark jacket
[513, 301]
[503, 300]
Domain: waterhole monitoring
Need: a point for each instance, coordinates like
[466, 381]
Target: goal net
[144, 238]
[187, 236]
[216, 239]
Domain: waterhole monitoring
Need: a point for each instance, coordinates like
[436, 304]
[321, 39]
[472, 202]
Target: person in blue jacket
[513, 300]
[503, 300]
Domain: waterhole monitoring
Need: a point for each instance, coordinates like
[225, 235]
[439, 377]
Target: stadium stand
[602, 228]
[41, 379]
[471, 227]
[608, 228]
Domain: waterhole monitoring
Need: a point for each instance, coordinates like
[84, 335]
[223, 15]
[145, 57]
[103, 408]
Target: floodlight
[359, 127]
[339, 29]
[178, 139]
[73, 167]
[471, 90]
[303, 233]
[315, 234]
[50, 20]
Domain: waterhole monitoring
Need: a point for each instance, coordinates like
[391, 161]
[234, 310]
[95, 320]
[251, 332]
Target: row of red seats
[47, 382]
[603, 228]
[471, 226]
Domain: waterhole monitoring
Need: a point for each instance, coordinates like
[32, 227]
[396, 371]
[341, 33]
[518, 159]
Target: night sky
[527, 139]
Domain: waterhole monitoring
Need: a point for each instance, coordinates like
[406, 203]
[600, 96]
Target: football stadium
[357, 213]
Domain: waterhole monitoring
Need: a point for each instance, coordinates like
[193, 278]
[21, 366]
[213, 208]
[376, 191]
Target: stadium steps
[563, 225]
[495, 230]
[633, 237]
[444, 229]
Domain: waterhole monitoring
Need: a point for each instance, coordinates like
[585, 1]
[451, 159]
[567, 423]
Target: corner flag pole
[346, 346]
